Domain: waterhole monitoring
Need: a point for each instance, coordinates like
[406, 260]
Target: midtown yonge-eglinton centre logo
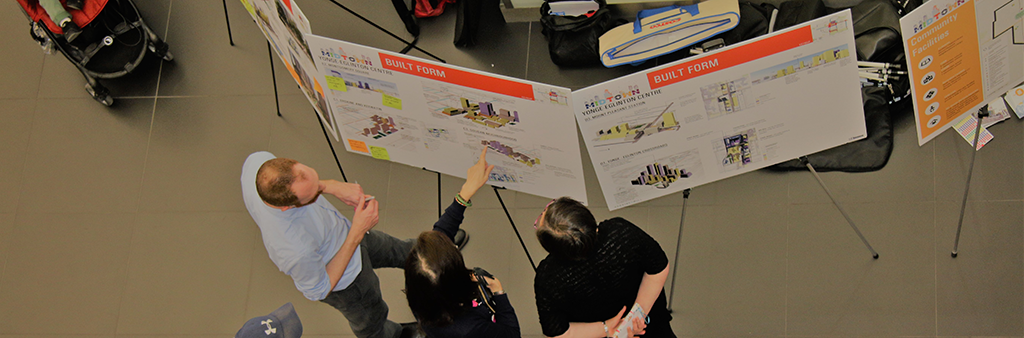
[610, 97]
[936, 14]
[341, 55]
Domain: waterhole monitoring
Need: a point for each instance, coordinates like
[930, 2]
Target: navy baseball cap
[282, 323]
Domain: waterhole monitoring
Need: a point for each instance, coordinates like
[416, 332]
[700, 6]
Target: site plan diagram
[440, 117]
[738, 109]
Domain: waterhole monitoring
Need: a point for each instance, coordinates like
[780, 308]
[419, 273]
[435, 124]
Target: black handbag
[573, 40]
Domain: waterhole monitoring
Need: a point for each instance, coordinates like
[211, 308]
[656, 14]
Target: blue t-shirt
[300, 241]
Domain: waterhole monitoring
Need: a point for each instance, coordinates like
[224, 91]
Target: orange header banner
[729, 58]
[458, 77]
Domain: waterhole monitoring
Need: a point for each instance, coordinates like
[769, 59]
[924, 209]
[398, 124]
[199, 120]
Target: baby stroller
[113, 41]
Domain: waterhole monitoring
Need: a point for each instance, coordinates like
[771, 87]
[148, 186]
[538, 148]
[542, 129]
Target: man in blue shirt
[330, 258]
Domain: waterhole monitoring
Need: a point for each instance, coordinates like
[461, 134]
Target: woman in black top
[594, 272]
[442, 293]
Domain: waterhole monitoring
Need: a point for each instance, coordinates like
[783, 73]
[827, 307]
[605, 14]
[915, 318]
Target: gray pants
[361, 301]
[55, 10]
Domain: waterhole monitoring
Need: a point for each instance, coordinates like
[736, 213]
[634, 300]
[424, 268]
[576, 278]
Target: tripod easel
[982, 113]
[804, 160]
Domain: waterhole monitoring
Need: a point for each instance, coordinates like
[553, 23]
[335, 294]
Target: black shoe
[461, 238]
[412, 330]
[71, 31]
[74, 4]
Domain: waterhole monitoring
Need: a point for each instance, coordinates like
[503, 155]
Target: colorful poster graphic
[732, 111]
[961, 54]
[436, 116]
[284, 25]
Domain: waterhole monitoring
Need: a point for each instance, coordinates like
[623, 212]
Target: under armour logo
[269, 329]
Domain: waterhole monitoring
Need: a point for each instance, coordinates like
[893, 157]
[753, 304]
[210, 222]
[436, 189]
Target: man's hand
[348, 193]
[366, 216]
[476, 176]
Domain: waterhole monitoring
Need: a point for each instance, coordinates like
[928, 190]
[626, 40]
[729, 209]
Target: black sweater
[474, 321]
[596, 288]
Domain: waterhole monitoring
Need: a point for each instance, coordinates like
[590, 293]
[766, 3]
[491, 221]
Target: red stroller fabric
[428, 8]
[90, 9]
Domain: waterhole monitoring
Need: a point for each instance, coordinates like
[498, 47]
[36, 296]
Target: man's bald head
[274, 181]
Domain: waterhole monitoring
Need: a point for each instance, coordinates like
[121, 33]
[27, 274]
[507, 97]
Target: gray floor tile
[205, 64]
[21, 53]
[78, 261]
[491, 237]
[14, 138]
[189, 273]
[501, 49]
[760, 187]
[392, 282]
[907, 177]
[197, 150]
[995, 178]
[834, 287]
[413, 188]
[269, 288]
[979, 292]
[347, 27]
[85, 157]
[732, 272]
[6, 226]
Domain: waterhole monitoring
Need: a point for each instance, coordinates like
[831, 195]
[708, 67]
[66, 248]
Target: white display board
[961, 54]
[286, 28]
[741, 108]
[436, 116]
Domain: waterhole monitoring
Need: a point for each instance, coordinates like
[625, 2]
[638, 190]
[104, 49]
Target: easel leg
[527, 251]
[328, 138]
[273, 76]
[840, 207]
[974, 152]
[228, 22]
[407, 43]
[679, 242]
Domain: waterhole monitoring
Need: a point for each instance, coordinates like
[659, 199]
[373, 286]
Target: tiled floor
[128, 222]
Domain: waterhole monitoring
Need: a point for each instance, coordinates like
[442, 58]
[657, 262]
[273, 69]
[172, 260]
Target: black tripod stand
[982, 113]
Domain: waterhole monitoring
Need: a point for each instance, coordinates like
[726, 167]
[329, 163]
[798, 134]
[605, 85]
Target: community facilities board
[732, 111]
[286, 28]
[961, 54]
[427, 114]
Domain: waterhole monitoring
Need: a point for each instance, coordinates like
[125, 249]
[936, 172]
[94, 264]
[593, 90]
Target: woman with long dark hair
[448, 299]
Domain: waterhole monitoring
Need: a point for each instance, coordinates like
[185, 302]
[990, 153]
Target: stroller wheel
[100, 94]
[161, 50]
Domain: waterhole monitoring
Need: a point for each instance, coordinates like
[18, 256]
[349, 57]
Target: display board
[961, 54]
[732, 111]
[286, 28]
[427, 114]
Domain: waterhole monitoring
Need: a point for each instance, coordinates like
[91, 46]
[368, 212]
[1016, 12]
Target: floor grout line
[526, 67]
[142, 183]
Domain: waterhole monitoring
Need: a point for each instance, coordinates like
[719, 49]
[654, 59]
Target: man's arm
[364, 219]
[348, 193]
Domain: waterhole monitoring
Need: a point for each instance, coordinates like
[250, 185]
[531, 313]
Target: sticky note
[248, 7]
[380, 153]
[358, 146]
[336, 83]
[392, 102]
